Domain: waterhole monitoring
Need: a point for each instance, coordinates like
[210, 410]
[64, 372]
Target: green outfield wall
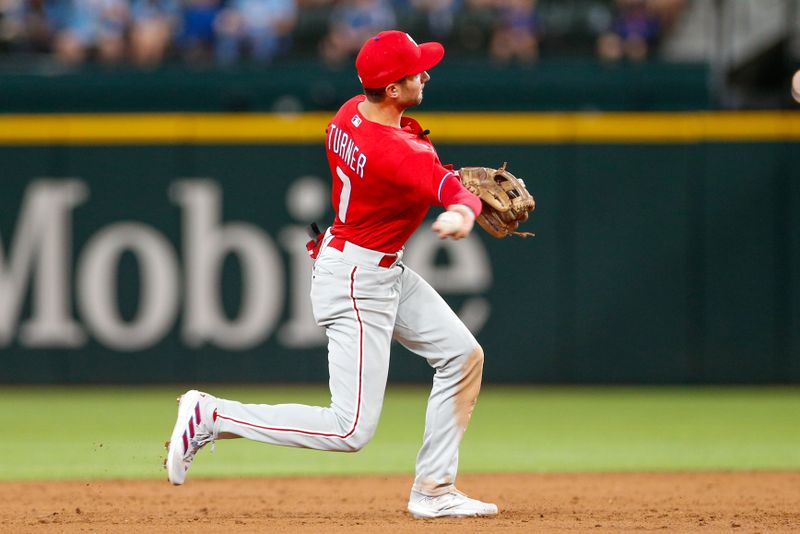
[170, 248]
[458, 85]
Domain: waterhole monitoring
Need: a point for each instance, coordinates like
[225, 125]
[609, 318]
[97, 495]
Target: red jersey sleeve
[421, 171]
[454, 192]
[437, 184]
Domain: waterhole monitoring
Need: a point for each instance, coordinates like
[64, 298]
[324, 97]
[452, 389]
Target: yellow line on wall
[486, 128]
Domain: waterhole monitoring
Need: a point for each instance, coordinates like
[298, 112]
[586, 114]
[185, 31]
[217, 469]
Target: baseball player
[386, 175]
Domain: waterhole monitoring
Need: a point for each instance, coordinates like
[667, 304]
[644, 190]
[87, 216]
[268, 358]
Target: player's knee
[475, 360]
[476, 355]
[357, 440]
[472, 355]
[358, 430]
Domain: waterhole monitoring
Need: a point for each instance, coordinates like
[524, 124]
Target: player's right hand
[459, 231]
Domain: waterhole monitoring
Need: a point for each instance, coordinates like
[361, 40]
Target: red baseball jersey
[385, 179]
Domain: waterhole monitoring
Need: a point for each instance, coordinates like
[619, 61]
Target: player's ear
[392, 90]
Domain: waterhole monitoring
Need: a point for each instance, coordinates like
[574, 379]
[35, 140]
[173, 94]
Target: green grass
[118, 432]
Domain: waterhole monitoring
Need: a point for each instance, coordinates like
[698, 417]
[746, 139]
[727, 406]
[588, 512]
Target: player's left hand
[506, 200]
[455, 226]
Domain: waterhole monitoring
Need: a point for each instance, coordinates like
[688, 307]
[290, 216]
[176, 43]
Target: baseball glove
[506, 201]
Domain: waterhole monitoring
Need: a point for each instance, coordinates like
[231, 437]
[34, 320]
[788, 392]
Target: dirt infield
[671, 502]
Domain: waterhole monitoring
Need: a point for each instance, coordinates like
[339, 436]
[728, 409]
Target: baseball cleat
[451, 504]
[193, 429]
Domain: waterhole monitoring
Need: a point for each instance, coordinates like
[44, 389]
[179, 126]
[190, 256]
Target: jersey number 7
[344, 196]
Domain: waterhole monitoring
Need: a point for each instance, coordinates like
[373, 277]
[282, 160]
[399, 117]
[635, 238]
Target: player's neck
[382, 113]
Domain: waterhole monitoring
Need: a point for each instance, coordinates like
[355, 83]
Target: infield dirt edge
[741, 501]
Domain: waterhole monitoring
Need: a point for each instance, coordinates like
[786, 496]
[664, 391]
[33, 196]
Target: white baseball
[450, 221]
[796, 86]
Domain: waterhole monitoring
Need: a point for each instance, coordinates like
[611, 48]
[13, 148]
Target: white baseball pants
[363, 307]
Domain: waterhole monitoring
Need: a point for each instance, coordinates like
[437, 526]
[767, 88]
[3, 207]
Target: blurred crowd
[226, 32]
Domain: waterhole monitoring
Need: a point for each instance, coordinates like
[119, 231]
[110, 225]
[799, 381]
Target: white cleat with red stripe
[193, 430]
[451, 504]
